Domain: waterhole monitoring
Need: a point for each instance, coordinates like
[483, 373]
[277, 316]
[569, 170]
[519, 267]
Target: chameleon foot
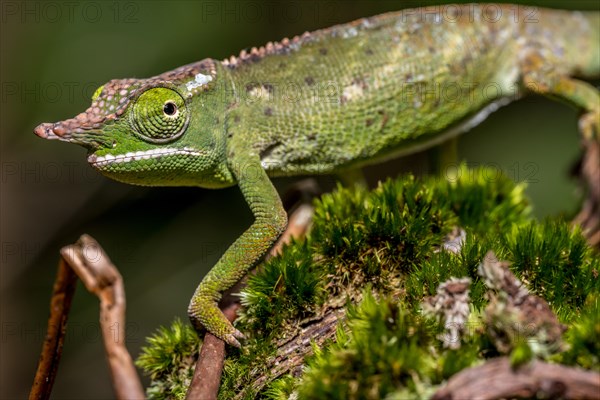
[205, 314]
[232, 338]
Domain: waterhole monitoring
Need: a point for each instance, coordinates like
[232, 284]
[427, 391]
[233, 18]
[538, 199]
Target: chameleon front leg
[245, 252]
[539, 78]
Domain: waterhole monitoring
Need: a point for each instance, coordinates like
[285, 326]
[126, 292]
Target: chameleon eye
[159, 115]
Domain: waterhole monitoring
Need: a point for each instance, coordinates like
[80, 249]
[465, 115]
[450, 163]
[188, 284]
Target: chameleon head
[161, 131]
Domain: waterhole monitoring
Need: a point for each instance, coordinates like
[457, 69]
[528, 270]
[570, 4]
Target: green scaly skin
[328, 102]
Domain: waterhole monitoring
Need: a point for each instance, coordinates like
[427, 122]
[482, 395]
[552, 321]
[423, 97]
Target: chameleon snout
[71, 132]
[50, 131]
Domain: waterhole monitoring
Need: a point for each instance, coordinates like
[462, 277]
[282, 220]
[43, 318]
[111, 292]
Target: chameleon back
[379, 87]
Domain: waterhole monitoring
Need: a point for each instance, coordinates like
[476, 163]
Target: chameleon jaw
[108, 159]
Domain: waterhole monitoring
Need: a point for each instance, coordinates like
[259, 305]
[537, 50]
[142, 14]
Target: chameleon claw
[231, 340]
[238, 334]
[205, 315]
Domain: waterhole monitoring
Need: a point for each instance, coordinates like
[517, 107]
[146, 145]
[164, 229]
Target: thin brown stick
[496, 379]
[101, 278]
[207, 375]
[60, 304]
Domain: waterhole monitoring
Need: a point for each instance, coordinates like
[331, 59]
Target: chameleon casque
[328, 102]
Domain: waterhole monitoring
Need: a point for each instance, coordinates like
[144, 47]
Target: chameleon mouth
[108, 159]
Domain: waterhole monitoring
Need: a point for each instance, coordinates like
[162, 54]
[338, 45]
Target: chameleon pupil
[170, 108]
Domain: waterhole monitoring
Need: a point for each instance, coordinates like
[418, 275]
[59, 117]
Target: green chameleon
[328, 102]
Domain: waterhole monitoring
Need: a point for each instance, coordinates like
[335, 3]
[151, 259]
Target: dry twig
[91, 264]
[60, 304]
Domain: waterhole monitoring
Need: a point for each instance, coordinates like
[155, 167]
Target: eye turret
[159, 115]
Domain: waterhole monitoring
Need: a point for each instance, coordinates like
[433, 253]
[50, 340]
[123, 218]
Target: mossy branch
[346, 303]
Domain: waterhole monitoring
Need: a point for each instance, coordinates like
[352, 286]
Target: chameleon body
[329, 102]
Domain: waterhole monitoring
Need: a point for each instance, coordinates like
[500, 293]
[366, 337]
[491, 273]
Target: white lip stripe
[140, 155]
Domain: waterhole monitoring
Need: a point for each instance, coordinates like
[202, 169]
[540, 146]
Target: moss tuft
[385, 348]
[287, 287]
[583, 337]
[169, 359]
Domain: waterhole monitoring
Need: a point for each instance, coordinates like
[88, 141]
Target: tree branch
[497, 380]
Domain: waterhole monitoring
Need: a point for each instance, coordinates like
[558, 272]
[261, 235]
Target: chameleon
[329, 102]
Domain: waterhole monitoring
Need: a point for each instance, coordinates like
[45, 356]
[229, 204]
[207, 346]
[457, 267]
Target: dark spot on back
[250, 86]
[269, 87]
[384, 118]
[309, 80]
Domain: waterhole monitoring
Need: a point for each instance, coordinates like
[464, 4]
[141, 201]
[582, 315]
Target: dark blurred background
[163, 240]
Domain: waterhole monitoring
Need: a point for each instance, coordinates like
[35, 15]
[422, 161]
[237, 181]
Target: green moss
[554, 261]
[484, 199]
[285, 288]
[521, 354]
[241, 365]
[281, 389]
[169, 359]
[583, 337]
[381, 252]
[386, 348]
